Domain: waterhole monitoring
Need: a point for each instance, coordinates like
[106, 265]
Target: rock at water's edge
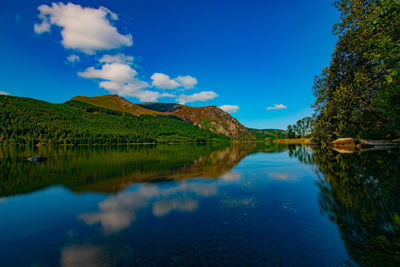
[356, 143]
[37, 159]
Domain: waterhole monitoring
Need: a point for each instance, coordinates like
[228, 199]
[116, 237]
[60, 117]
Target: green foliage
[30, 122]
[302, 128]
[206, 123]
[358, 94]
[267, 134]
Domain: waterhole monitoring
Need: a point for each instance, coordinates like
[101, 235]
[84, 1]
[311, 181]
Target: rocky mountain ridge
[209, 117]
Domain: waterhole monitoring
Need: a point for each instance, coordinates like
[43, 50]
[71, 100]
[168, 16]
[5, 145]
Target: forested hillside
[29, 121]
[210, 118]
[267, 134]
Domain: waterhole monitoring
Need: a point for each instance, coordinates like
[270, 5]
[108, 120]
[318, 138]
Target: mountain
[210, 118]
[30, 121]
[267, 134]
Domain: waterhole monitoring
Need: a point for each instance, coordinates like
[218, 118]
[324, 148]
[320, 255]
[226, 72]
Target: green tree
[358, 94]
[301, 128]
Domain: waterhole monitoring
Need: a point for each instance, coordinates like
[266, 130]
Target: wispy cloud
[277, 106]
[118, 58]
[4, 93]
[73, 58]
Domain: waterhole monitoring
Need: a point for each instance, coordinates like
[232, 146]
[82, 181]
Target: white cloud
[201, 96]
[229, 108]
[163, 81]
[119, 58]
[83, 28]
[187, 82]
[120, 79]
[134, 88]
[73, 58]
[4, 93]
[115, 72]
[277, 106]
[89, 30]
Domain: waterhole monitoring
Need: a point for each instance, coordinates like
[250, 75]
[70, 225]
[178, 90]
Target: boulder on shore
[356, 143]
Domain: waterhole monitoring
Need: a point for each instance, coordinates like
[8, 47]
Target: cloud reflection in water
[117, 212]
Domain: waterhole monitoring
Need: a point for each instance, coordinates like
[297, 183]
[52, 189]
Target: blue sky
[257, 58]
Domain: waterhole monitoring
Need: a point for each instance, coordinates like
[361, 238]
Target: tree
[290, 132]
[301, 128]
[358, 94]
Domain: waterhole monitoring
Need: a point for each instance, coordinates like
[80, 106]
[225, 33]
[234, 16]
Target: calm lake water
[199, 205]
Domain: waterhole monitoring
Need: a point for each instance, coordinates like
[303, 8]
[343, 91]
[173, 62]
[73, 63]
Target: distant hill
[112, 119]
[30, 121]
[210, 118]
[265, 134]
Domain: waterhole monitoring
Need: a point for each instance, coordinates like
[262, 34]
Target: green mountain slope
[267, 134]
[210, 118]
[29, 121]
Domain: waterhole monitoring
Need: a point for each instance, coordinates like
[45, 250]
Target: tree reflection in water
[359, 193]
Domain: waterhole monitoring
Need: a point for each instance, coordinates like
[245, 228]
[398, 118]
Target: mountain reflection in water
[219, 204]
[112, 169]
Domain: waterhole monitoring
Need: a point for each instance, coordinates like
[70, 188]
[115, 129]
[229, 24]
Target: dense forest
[358, 95]
[267, 134]
[31, 122]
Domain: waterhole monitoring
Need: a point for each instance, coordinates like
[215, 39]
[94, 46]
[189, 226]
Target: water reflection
[117, 212]
[359, 193]
[104, 206]
[112, 169]
[82, 256]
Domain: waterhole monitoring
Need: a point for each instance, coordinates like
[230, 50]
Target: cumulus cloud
[73, 58]
[120, 79]
[119, 58]
[163, 81]
[85, 29]
[201, 96]
[229, 108]
[187, 82]
[115, 72]
[90, 30]
[277, 106]
[4, 93]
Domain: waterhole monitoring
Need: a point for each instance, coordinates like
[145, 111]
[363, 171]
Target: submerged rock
[38, 159]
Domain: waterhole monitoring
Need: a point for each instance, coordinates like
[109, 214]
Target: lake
[199, 205]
